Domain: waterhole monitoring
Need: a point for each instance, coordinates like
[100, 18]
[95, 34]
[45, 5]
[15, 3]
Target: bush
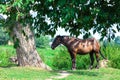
[4, 59]
[42, 41]
[62, 60]
[112, 52]
[3, 37]
[5, 53]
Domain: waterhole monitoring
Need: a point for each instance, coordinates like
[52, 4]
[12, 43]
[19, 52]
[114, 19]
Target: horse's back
[87, 45]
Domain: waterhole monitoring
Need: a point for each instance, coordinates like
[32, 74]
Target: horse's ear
[58, 36]
[61, 38]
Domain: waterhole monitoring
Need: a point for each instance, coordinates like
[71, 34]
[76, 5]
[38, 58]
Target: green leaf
[113, 30]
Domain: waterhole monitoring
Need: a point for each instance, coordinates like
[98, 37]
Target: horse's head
[56, 41]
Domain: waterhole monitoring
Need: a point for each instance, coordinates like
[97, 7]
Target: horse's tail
[102, 55]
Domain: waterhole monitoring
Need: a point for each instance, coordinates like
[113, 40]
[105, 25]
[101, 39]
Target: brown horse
[79, 46]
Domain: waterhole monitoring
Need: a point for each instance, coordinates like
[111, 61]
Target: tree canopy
[72, 15]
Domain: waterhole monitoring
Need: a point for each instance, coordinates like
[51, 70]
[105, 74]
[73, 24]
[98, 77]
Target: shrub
[5, 53]
[62, 60]
[112, 52]
[4, 59]
[3, 37]
[42, 41]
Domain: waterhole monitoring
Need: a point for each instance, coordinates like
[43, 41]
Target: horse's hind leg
[73, 64]
[97, 59]
[73, 58]
[92, 60]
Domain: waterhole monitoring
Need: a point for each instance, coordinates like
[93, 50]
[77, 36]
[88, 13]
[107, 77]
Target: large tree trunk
[26, 48]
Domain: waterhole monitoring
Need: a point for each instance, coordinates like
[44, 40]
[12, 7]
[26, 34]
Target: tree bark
[27, 54]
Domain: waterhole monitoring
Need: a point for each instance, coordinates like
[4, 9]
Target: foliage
[42, 41]
[4, 37]
[16, 11]
[62, 60]
[112, 52]
[117, 40]
[73, 15]
[77, 15]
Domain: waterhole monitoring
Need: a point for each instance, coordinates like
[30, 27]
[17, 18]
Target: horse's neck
[66, 41]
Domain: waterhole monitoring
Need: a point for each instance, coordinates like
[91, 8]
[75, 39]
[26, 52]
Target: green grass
[47, 54]
[5, 53]
[24, 73]
[96, 74]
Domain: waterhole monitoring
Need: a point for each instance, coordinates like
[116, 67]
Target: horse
[79, 46]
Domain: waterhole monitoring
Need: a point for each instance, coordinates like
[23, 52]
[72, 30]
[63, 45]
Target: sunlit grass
[24, 73]
[95, 74]
[28, 73]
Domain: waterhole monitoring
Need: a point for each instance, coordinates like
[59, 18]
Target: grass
[47, 54]
[27, 73]
[95, 74]
[5, 53]
[24, 73]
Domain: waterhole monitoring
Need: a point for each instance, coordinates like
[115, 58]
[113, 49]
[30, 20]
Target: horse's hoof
[90, 68]
[73, 69]
[97, 67]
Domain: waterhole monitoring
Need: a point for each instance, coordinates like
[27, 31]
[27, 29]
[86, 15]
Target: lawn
[96, 74]
[26, 73]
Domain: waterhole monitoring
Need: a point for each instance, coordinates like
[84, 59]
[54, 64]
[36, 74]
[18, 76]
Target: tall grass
[63, 60]
[5, 53]
[112, 52]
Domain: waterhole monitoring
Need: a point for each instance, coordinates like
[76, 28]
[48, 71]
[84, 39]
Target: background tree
[117, 40]
[4, 37]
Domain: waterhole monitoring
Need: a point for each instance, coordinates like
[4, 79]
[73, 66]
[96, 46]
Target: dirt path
[61, 74]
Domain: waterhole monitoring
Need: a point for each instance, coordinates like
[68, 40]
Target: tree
[117, 40]
[77, 15]
[72, 15]
[18, 25]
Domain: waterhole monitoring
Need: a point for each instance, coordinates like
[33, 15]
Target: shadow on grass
[8, 66]
[91, 73]
[85, 72]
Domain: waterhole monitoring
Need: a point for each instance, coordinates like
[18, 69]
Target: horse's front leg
[73, 59]
[97, 59]
[92, 61]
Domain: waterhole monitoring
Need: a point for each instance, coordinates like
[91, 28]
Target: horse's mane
[72, 37]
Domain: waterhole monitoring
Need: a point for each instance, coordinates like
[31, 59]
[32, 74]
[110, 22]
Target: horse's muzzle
[52, 47]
